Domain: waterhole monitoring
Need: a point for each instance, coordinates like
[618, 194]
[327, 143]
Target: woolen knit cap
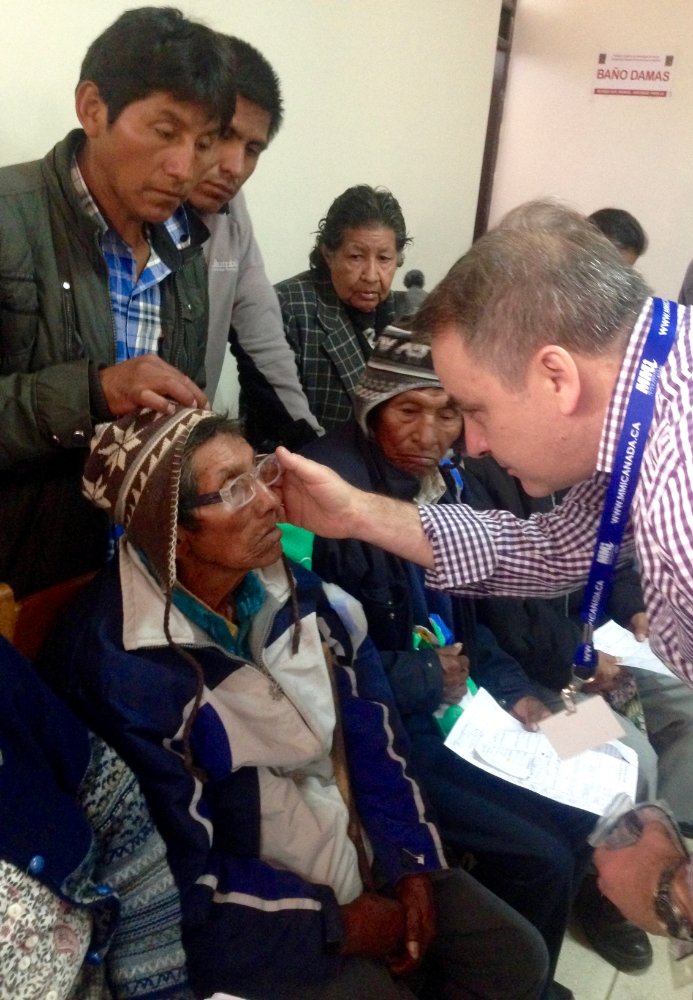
[400, 361]
[133, 473]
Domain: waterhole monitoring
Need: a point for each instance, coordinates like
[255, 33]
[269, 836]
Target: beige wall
[628, 152]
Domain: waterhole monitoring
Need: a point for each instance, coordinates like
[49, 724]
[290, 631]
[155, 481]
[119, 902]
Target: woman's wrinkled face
[363, 266]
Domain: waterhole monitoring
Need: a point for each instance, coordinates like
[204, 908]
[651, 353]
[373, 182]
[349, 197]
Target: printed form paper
[490, 738]
[612, 638]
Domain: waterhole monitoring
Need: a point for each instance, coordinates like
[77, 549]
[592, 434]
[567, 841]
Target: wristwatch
[667, 909]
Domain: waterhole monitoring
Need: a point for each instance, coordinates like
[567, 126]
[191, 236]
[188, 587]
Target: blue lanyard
[624, 479]
[447, 465]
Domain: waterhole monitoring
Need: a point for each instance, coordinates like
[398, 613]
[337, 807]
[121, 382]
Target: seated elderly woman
[243, 693]
[528, 849]
[88, 907]
[333, 311]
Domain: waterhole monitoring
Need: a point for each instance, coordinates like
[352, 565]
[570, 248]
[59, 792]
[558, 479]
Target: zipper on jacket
[102, 257]
[71, 340]
[176, 342]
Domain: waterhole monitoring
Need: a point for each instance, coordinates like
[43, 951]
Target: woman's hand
[455, 667]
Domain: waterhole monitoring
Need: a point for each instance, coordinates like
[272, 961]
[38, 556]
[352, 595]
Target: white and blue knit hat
[400, 361]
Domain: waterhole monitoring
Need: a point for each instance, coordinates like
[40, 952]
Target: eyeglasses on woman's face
[240, 490]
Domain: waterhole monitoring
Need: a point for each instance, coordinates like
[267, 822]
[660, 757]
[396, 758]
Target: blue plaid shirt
[135, 302]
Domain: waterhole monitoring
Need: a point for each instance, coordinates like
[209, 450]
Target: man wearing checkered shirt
[537, 333]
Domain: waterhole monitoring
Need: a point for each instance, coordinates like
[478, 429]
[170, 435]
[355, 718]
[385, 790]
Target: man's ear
[560, 376]
[91, 108]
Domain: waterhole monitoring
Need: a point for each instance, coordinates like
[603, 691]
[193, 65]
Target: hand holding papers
[491, 739]
[612, 638]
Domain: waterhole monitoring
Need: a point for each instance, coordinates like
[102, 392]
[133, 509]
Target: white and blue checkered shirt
[135, 302]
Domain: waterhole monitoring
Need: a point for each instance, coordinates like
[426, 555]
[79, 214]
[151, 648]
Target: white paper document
[490, 738]
[612, 638]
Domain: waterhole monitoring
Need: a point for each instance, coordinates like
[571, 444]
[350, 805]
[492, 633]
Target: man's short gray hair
[544, 275]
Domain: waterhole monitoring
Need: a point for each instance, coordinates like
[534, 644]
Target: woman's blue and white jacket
[259, 850]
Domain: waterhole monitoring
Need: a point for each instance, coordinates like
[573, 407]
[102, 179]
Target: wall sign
[624, 75]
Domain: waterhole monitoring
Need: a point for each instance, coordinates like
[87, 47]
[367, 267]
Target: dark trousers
[528, 849]
[483, 950]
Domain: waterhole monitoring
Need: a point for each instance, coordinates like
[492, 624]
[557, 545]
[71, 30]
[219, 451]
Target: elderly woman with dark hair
[333, 311]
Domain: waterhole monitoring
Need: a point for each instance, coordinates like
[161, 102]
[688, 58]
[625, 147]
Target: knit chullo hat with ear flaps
[133, 473]
[399, 362]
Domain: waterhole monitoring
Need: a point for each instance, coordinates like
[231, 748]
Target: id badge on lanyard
[624, 479]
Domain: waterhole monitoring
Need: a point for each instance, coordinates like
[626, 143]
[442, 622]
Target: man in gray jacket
[103, 299]
[244, 311]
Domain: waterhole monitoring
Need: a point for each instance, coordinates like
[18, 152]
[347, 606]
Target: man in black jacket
[102, 280]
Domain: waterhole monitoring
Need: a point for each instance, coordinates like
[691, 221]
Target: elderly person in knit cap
[244, 693]
[529, 850]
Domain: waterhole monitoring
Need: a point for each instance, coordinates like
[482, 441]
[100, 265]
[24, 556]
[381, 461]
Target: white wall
[393, 93]
[628, 152]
